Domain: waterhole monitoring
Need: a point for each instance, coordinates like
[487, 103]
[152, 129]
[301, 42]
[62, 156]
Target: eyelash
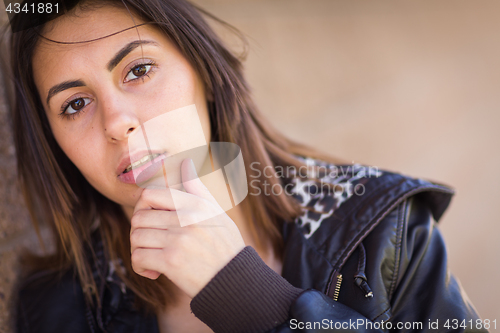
[148, 63]
[65, 106]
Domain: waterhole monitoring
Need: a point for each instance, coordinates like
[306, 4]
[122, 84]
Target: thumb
[192, 183]
[153, 275]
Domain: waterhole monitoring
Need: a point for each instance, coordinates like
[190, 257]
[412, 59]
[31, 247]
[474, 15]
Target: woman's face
[110, 87]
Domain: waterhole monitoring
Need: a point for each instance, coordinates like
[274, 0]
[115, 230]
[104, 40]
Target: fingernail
[193, 167]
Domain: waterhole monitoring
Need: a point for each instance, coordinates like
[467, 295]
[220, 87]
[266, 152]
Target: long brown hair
[58, 195]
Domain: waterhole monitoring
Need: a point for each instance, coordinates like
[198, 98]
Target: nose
[119, 120]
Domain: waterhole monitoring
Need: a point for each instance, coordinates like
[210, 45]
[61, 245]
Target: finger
[152, 198]
[153, 275]
[192, 183]
[148, 238]
[160, 199]
[144, 260]
[166, 199]
[154, 219]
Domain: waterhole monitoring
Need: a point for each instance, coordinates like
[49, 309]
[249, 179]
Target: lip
[126, 161]
[144, 172]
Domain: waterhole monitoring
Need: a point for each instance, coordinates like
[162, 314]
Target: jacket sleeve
[241, 295]
[248, 296]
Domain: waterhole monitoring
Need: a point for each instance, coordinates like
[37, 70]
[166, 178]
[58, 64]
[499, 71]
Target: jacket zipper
[337, 282]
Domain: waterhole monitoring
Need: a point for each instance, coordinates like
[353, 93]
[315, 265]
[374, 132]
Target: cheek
[205, 120]
[175, 88]
[84, 150]
[88, 154]
[189, 86]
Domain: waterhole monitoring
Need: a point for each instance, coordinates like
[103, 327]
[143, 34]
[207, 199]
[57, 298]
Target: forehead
[107, 29]
[105, 25]
[54, 63]
[90, 23]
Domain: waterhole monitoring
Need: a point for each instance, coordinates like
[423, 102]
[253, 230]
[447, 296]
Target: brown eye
[77, 104]
[139, 70]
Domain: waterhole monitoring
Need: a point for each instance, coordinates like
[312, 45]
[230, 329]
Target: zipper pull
[360, 277]
[363, 285]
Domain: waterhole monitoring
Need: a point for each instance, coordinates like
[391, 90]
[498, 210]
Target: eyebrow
[111, 65]
[63, 86]
[125, 51]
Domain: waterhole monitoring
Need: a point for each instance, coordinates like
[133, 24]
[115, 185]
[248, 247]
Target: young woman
[334, 247]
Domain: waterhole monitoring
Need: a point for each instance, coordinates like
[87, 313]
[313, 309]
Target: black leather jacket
[376, 262]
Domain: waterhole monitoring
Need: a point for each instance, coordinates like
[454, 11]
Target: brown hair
[53, 186]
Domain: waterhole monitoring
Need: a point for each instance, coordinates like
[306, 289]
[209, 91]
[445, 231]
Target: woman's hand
[189, 255]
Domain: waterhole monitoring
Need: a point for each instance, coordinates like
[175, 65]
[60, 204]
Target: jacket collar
[322, 242]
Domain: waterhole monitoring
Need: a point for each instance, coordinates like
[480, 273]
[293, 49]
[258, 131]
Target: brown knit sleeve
[245, 296]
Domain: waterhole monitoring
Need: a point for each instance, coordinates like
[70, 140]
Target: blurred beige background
[411, 86]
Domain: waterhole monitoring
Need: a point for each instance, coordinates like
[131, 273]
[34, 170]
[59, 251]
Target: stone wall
[16, 231]
[14, 220]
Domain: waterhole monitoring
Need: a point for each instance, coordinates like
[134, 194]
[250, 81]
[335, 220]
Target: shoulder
[51, 302]
[346, 205]
[360, 192]
[359, 195]
[362, 232]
